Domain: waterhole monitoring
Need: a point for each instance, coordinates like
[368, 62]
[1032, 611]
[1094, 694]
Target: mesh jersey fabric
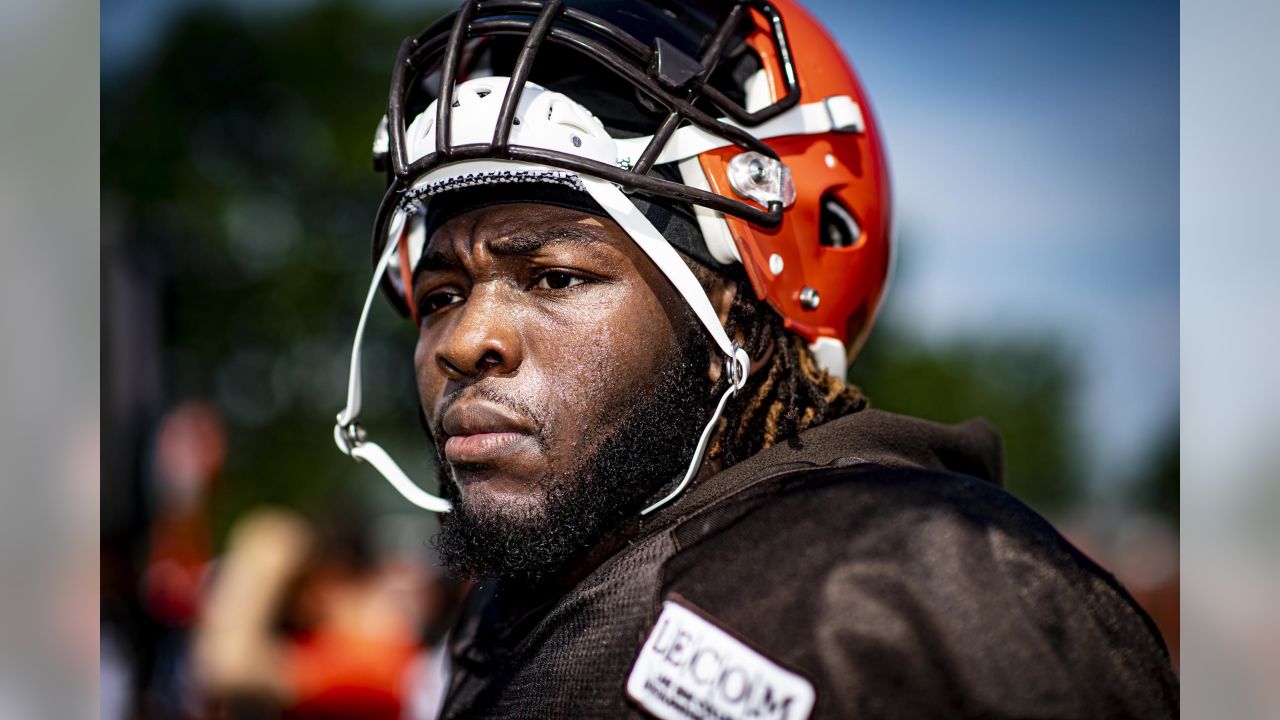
[876, 556]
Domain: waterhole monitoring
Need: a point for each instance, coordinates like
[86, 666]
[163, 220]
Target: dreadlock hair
[786, 396]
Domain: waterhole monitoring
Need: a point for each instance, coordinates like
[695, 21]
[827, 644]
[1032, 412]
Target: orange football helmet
[745, 114]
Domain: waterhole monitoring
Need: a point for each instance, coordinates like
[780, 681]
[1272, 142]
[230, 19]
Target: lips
[480, 432]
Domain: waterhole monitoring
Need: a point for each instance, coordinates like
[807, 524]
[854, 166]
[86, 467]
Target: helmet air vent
[839, 229]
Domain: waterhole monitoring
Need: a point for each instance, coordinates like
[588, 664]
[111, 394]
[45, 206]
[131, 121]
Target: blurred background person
[147, 609]
[311, 620]
[190, 450]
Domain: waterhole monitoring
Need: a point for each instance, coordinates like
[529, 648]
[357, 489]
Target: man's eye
[436, 301]
[556, 280]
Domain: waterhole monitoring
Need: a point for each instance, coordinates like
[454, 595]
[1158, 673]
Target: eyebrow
[518, 243]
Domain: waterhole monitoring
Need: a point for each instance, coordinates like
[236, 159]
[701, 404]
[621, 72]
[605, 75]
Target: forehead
[516, 228]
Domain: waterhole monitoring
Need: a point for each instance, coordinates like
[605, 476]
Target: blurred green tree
[1022, 385]
[238, 155]
[1158, 486]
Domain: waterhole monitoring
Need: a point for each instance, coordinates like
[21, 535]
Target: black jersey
[871, 567]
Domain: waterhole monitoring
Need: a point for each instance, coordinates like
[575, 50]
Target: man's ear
[722, 295]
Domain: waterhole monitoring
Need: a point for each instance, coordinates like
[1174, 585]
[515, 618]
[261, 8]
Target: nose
[483, 338]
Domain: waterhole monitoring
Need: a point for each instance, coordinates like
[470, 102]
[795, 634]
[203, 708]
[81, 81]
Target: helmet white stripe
[838, 113]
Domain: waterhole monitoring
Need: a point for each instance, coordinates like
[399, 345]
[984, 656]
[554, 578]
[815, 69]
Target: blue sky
[1034, 151]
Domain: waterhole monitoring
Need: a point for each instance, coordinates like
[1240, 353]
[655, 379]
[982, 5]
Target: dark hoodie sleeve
[907, 593]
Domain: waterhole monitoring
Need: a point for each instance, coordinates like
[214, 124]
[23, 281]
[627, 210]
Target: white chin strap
[352, 440]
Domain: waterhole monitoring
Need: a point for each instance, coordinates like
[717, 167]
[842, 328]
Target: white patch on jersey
[689, 669]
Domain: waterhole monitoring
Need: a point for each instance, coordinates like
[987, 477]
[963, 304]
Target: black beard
[649, 451]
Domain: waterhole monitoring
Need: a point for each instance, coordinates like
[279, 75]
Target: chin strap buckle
[739, 366]
[354, 443]
[348, 437]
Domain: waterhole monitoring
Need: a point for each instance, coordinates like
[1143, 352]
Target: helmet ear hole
[838, 227]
